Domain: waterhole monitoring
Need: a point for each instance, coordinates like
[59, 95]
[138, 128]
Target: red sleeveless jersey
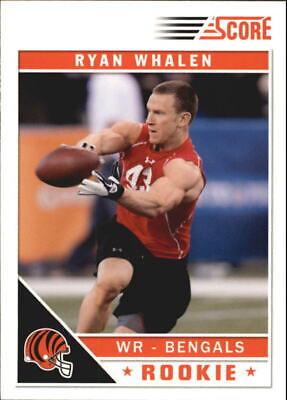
[167, 235]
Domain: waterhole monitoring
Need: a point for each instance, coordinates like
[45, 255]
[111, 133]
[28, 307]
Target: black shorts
[159, 288]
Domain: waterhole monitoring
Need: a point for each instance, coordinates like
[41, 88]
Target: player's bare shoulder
[130, 130]
[185, 175]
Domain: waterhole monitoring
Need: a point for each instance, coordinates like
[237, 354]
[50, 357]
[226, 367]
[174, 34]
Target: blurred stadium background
[228, 261]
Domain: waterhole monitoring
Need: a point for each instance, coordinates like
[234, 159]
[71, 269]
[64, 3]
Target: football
[67, 166]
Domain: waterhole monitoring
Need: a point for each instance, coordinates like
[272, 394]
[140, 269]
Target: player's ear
[185, 118]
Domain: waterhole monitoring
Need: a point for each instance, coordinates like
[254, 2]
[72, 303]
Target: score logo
[234, 28]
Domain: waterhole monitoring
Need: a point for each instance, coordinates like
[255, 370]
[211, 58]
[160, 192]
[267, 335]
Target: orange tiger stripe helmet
[46, 347]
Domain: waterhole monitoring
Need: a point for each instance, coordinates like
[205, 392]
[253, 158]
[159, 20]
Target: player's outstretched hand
[105, 187]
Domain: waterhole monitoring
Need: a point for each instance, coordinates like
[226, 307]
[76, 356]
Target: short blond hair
[185, 97]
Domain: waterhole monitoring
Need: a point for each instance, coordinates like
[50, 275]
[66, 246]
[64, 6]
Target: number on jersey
[139, 178]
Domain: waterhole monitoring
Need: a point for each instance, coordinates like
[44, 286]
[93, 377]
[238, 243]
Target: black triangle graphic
[32, 315]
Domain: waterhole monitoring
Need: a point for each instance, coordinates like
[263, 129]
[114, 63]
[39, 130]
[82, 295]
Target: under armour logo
[117, 249]
[149, 161]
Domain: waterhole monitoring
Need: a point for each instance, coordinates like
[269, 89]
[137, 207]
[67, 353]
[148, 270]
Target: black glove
[105, 187]
[116, 170]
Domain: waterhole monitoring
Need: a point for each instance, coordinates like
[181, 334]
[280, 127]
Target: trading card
[142, 174]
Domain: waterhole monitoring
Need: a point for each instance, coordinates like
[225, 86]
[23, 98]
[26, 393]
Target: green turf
[211, 315]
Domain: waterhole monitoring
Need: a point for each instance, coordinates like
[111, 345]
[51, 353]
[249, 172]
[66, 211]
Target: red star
[127, 371]
[250, 371]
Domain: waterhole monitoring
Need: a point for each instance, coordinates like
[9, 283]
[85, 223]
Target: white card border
[14, 39]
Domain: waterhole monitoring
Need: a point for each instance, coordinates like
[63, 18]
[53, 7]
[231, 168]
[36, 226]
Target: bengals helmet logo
[46, 348]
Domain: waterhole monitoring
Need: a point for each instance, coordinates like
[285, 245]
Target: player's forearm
[115, 139]
[143, 203]
[149, 204]
[106, 142]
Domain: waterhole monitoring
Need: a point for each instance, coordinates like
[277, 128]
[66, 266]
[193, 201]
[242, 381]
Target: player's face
[162, 119]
